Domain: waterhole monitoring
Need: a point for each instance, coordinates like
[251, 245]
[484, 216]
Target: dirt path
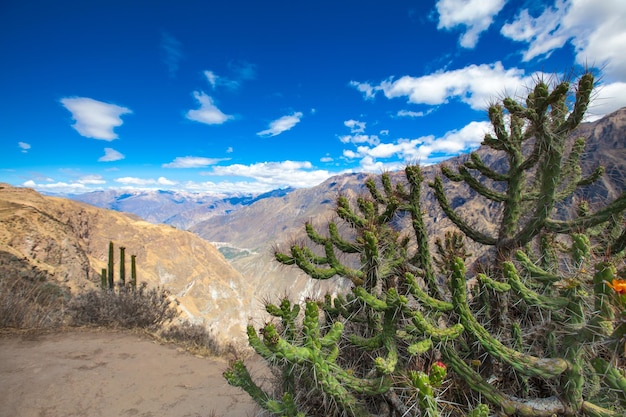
[92, 373]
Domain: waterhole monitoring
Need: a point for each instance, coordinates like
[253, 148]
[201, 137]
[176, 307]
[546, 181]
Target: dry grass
[31, 303]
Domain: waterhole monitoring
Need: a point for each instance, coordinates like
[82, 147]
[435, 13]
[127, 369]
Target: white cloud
[111, 155]
[369, 92]
[91, 180]
[596, 29]
[229, 149]
[475, 15]
[370, 139]
[409, 113]
[282, 124]
[95, 119]
[425, 150]
[276, 174]
[326, 159]
[144, 181]
[355, 126]
[58, 187]
[23, 146]
[192, 162]
[475, 85]
[208, 113]
[211, 78]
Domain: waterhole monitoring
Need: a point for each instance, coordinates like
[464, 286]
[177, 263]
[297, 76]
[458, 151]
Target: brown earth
[106, 373]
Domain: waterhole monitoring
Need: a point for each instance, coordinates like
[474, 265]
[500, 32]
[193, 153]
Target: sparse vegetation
[27, 302]
[123, 307]
[542, 333]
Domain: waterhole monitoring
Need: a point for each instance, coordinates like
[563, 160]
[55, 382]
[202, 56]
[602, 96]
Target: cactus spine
[541, 337]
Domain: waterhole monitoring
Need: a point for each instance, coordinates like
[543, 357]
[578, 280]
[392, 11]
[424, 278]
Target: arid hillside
[67, 242]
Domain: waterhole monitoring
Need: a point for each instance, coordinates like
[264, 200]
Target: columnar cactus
[539, 335]
[108, 274]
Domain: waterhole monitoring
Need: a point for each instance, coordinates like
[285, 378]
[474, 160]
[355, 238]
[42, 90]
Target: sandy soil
[90, 373]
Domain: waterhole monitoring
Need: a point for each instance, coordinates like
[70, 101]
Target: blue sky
[249, 96]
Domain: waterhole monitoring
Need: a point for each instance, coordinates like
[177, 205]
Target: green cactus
[122, 266]
[111, 266]
[543, 331]
[108, 274]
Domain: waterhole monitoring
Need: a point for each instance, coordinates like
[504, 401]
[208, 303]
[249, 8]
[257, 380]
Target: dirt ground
[95, 373]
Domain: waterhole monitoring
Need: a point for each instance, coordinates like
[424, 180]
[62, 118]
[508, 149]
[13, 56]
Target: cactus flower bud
[438, 373]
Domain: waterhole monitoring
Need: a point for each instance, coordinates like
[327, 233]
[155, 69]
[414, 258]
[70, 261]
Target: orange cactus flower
[618, 285]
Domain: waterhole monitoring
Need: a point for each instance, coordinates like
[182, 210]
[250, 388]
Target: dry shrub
[194, 337]
[27, 303]
[123, 307]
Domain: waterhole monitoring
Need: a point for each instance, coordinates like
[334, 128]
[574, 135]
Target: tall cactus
[110, 270]
[108, 274]
[122, 265]
[380, 349]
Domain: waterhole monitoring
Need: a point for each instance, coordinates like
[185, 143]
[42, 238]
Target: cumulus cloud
[426, 150]
[475, 15]
[172, 53]
[474, 85]
[281, 125]
[23, 146]
[144, 181]
[208, 112]
[277, 174]
[192, 162]
[95, 119]
[111, 155]
[355, 126]
[595, 29]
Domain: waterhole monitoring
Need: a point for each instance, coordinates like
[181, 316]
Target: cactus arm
[593, 410]
[592, 220]
[422, 256]
[525, 364]
[613, 377]
[535, 271]
[477, 163]
[475, 235]
[339, 242]
[541, 407]
[591, 178]
[418, 293]
[345, 212]
[493, 284]
[583, 96]
[422, 326]
[475, 381]
[238, 375]
[528, 295]
[464, 176]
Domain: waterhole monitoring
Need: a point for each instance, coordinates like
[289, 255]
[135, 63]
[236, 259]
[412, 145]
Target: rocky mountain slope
[67, 242]
[176, 208]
